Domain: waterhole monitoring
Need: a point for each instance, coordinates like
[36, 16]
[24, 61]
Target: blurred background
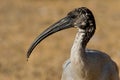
[21, 21]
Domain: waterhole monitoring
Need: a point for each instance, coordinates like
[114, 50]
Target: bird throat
[78, 49]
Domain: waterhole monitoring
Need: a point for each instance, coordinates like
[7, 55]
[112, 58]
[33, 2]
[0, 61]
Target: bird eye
[73, 16]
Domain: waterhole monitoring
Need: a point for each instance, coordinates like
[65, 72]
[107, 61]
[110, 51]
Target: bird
[83, 64]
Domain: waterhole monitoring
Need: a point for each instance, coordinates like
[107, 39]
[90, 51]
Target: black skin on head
[82, 18]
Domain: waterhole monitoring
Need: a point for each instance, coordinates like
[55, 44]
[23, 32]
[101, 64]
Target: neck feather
[79, 45]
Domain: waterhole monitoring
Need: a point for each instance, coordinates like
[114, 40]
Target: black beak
[60, 25]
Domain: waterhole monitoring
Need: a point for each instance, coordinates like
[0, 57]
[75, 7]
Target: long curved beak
[60, 25]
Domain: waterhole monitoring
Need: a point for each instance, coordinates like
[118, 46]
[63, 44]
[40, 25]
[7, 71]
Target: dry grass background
[21, 21]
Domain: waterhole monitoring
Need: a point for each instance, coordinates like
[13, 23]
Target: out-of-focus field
[21, 21]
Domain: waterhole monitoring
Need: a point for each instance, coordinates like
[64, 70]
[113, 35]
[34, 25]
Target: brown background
[21, 21]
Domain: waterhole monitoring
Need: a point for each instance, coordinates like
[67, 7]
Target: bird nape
[83, 64]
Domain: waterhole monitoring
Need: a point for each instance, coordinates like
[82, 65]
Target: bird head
[81, 18]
